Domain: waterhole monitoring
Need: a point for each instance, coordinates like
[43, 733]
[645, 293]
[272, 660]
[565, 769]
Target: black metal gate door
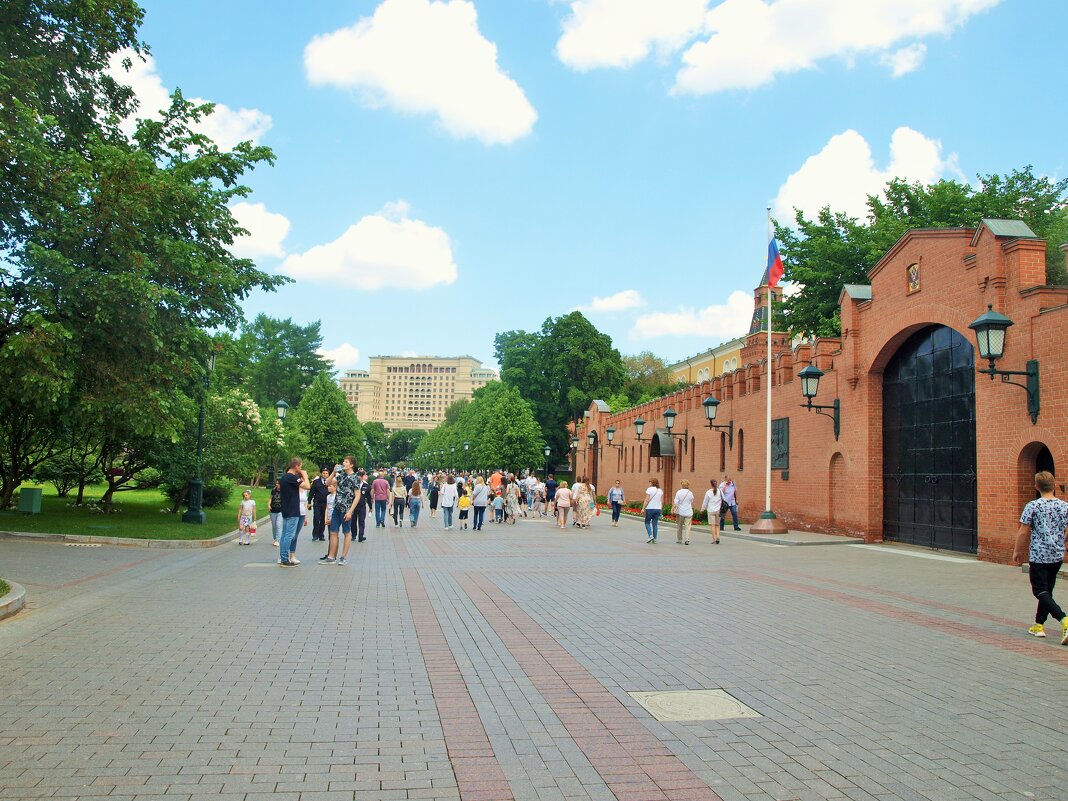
[929, 492]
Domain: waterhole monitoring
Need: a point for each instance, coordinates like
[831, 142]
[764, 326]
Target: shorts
[338, 521]
[463, 514]
[245, 522]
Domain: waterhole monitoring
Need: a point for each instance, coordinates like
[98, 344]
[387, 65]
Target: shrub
[602, 499]
[217, 492]
[635, 505]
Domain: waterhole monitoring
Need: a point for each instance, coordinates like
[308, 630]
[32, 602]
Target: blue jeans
[478, 517]
[652, 521]
[296, 534]
[288, 538]
[617, 507]
[380, 512]
[276, 525]
[734, 516]
[446, 513]
[414, 505]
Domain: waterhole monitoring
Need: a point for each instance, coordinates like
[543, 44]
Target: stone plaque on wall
[780, 444]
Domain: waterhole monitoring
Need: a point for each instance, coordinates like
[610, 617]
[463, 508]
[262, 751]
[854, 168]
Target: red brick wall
[837, 486]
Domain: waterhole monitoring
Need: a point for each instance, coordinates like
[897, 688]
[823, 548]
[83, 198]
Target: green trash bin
[30, 500]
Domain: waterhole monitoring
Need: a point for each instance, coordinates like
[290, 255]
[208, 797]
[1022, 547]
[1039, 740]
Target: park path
[499, 665]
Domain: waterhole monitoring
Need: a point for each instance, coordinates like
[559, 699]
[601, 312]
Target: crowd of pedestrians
[339, 500]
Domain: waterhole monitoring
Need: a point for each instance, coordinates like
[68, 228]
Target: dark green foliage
[560, 371]
[327, 424]
[834, 249]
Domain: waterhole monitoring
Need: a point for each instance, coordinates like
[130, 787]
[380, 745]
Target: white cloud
[752, 41]
[719, 321]
[843, 174]
[618, 33]
[621, 301]
[266, 231]
[907, 59]
[425, 57]
[226, 126]
[386, 249]
[343, 357]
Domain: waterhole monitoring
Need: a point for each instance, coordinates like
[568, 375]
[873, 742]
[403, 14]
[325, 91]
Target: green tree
[273, 359]
[559, 371]
[377, 443]
[834, 249]
[507, 433]
[403, 444]
[112, 275]
[327, 423]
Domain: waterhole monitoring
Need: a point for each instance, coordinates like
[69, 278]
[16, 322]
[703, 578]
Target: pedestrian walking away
[653, 505]
[682, 508]
[463, 503]
[447, 499]
[562, 501]
[435, 491]
[319, 492]
[292, 482]
[380, 492]
[551, 486]
[415, 502]
[711, 506]
[479, 502]
[1042, 531]
[616, 498]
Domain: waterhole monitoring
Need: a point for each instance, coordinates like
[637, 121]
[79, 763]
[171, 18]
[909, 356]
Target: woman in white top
[682, 507]
[447, 500]
[300, 524]
[563, 504]
[653, 505]
[398, 494]
[711, 504]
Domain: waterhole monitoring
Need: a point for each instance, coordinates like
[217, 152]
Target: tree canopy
[833, 249]
[560, 370]
[499, 427]
[114, 251]
[327, 424]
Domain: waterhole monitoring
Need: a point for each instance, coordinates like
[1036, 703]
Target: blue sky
[448, 170]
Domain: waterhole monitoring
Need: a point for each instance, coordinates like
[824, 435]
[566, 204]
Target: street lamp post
[280, 409]
[810, 384]
[548, 450]
[467, 445]
[195, 512]
[711, 405]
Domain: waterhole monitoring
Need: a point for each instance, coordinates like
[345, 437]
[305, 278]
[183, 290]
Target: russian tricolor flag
[775, 269]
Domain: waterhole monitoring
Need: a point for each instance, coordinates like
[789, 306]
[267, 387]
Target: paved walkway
[498, 665]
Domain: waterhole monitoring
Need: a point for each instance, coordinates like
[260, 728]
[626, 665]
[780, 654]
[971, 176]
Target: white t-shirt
[713, 500]
[448, 495]
[656, 498]
[303, 503]
[684, 503]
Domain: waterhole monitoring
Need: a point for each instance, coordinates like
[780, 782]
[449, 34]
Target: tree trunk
[81, 491]
[181, 499]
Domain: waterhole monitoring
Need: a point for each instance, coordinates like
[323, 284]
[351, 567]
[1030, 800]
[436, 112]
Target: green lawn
[144, 515]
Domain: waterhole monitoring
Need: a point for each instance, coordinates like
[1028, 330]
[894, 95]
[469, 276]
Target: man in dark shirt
[293, 481]
[318, 493]
[408, 480]
[550, 495]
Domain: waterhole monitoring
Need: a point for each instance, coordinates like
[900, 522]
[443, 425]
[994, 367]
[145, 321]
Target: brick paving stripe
[479, 776]
[634, 764]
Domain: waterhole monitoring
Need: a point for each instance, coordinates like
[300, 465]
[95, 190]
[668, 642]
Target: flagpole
[767, 484]
[769, 523]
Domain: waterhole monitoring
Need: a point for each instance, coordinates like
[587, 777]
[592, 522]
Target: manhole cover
[694, 705]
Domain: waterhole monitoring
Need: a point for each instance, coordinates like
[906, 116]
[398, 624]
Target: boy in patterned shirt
[1043, 522]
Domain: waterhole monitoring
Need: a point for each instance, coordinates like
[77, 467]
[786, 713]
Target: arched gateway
[929, 486]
